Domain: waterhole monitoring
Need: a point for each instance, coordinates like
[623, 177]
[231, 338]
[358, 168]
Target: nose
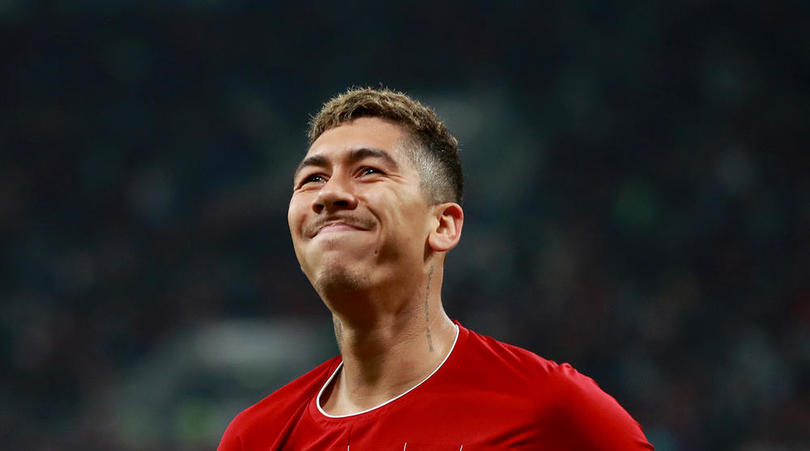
[335, 194]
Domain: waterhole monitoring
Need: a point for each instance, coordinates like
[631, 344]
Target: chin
[336, 278]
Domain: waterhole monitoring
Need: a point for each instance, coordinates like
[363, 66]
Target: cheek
[291, 220]
[412, 219]
[404, 211]
[296, 212]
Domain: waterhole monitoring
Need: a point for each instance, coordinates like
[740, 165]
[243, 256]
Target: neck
[388, 356]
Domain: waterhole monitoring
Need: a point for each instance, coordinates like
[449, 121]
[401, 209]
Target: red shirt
[486, 395]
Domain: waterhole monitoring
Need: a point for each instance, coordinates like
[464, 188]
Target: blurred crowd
[637, 203]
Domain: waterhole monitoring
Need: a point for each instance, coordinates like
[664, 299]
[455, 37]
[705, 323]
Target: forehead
[361, 133]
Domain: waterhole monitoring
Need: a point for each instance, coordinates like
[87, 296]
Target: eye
[312, 178]
[368, 170]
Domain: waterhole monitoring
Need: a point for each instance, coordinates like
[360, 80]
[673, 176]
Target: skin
[373, 247]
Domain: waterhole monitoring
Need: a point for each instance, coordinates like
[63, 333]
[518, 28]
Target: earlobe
[447, 231]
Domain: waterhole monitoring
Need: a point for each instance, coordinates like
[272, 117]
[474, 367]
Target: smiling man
[376, 206]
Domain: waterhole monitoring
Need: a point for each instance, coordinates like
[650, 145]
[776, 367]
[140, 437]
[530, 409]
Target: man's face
[357, 215]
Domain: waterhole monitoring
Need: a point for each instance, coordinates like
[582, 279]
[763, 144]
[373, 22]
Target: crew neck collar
[340, 365]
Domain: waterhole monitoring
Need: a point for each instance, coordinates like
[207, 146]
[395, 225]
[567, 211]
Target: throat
[352, 389]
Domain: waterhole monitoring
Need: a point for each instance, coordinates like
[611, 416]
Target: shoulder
[569, 405]
[495, 356]
[275, 411]
[511, 371]
[579, 409]
[486, 354]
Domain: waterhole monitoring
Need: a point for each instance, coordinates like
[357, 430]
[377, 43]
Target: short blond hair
[435, 151]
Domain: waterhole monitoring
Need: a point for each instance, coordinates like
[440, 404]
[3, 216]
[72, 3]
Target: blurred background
[638, 204]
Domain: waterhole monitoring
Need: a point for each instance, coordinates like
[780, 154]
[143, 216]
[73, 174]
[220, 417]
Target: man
[376, 206]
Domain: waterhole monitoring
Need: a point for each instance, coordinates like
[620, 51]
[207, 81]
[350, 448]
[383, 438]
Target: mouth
[337, 226]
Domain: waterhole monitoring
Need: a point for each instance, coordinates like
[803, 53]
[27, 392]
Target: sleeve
[589, 418]
[230, 439]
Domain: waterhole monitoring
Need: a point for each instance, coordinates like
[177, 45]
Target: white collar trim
[334, 373]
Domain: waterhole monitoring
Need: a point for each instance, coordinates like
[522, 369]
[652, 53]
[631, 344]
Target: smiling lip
[337, 227]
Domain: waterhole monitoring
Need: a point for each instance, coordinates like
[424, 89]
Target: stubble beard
[335, 280]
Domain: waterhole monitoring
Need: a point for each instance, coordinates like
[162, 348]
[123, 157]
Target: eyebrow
[354, 156]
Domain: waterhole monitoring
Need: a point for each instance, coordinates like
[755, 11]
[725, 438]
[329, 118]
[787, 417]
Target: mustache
[313, 228]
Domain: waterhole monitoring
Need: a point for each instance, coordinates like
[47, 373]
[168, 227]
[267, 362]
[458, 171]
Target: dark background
[638, 204]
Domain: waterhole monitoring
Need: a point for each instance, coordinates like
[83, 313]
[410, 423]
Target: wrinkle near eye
[309, 179]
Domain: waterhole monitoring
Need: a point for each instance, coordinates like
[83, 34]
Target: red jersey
[486, 395]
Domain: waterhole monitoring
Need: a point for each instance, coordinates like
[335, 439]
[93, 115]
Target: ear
[447, 227]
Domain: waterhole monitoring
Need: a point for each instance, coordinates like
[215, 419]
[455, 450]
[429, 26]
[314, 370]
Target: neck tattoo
[427, 310]
[338, 332]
